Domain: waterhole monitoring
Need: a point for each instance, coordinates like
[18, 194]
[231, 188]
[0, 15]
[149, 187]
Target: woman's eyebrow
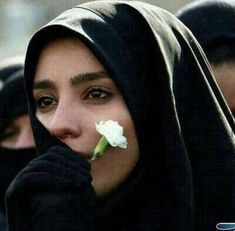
[43, 84]
[87, 77]
[75, 80]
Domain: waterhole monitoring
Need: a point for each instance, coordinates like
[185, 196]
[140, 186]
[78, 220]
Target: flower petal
[113, 132]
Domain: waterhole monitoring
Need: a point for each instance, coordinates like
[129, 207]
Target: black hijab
[13, 103]
[13, 100]
[184, 179]
[215, 30]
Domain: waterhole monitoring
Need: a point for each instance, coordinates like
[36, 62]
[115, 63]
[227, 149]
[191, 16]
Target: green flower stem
[100, 148]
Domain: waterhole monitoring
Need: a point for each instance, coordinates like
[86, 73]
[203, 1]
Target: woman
[136, 64]
[216, 34]
[16, 137]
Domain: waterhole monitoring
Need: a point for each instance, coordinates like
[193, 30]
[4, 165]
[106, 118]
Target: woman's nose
[64, 124]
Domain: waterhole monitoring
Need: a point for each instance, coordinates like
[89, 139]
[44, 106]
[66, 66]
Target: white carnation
[113, 132]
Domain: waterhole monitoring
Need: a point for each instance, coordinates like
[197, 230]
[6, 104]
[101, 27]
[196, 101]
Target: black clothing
[10, 66]
[3, 223]
[59, 183]
[215, 27]
[13, 103]
[184, 178]
[11, 162]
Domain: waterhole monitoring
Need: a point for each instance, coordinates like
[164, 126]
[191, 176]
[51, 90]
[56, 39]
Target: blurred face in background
[225, 77]
[18, 134]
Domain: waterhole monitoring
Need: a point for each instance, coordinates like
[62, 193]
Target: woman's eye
[45, 103]
[97, 93]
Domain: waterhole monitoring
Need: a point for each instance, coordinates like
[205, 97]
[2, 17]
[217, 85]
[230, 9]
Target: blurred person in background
[212, 23]
[16, 138]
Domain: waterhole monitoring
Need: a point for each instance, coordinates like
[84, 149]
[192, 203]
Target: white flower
[112, 135]
[113, 132]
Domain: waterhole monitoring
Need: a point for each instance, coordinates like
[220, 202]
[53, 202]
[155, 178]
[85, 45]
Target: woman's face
[18, 134]
[73, 91]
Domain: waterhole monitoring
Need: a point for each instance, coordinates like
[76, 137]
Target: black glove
[53, 192]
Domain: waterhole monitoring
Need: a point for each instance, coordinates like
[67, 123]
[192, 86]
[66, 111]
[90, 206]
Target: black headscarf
[13, 100]
[211, 21]
[13, 103]
[184, 179]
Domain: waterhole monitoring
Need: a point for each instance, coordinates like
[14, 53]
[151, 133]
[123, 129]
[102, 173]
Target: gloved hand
[53, 192]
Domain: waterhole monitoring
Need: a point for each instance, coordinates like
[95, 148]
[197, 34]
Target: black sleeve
[53, 192]
[3, 223]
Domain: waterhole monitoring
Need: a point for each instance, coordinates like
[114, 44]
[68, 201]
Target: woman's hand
[53, 192]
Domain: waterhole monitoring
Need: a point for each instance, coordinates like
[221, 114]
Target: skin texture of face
[18, 134]
[73, 91]
[225, 77]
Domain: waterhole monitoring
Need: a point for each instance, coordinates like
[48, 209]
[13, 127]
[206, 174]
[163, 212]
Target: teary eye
[44, 103]
[97, 93]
